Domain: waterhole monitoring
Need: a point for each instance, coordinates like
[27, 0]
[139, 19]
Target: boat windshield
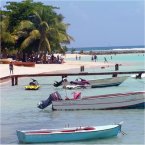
[77, 95]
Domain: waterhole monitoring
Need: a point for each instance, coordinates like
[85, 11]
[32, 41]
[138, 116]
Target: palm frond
[26, 42]
[37, 16]
[4, 25]
[24, 25]
[6, 37]
[44, 26]
[65, 38]
[35, 34]
[32, 37]
[21, 34]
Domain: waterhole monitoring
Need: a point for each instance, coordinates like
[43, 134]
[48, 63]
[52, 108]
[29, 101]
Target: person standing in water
[95, 57]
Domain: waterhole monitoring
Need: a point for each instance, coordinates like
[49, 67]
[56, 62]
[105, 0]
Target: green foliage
[7, 39]
[90, 52]
[81, 52]
[73, 50]
[18, 11]
[65, 49]
[32, 25]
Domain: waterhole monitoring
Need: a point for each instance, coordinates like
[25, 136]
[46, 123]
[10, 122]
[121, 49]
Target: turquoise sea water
[19, 107]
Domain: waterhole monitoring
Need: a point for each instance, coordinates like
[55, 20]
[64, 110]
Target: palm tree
[58, 34]
[40, 16]
[52, 30]
[31, 31]
[34, 26]
[27, 32]
[45, 27]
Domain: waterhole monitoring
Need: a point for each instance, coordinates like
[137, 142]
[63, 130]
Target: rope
[123, 133]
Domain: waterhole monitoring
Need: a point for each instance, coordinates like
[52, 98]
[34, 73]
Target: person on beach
[11, 67]
[92, 58]
[105, 60]
[95, 57]
[76, 57]
[79, 57]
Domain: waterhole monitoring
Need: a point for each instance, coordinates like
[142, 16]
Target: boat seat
[89, 128]
[72, 130]
[39, 132]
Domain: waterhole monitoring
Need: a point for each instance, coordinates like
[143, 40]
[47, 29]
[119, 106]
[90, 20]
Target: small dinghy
[68, 134]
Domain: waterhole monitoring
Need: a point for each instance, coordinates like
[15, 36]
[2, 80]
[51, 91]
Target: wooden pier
[14, 78]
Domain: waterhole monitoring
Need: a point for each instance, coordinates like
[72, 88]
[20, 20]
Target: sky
[101, 23]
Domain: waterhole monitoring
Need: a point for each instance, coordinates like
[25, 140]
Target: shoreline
[68, 66]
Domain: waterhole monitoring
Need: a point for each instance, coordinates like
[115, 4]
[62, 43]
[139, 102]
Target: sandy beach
[47, 68]
[67, 67]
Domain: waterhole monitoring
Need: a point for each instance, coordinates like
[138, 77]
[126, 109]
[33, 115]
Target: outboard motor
[53, 97]
[43, 104]
[57, 84]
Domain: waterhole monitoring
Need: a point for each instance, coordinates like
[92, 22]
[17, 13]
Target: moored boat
[68, 134]
[129, 100]
[98, 83]
[107, 82]
[26, 64]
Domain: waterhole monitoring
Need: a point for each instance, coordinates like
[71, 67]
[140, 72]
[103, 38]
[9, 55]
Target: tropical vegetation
[29, 27]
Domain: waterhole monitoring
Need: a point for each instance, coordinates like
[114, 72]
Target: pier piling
[16, 80]
[12, 78]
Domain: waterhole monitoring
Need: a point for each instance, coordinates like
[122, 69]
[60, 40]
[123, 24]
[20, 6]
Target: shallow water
[19, 107]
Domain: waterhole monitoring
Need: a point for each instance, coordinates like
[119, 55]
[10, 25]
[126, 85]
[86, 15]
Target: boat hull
[59, 136]
[100, 83]
[25, 64]
[111, 101]
[108, 82]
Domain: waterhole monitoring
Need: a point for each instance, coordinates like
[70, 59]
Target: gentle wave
[129, 49]
[108, 48]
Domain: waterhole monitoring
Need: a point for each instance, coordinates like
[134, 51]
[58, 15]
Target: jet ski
[33, 85]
